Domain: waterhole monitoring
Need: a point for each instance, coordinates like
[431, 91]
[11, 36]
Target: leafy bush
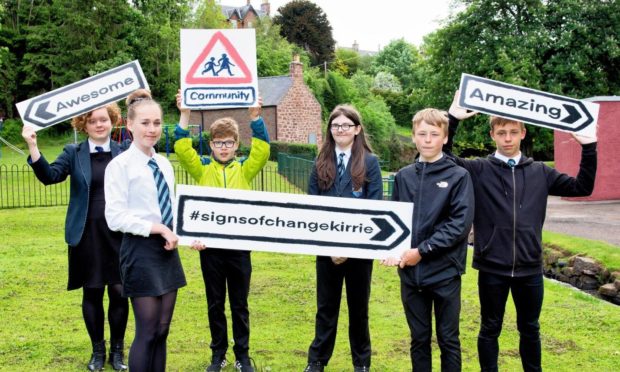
[12, 130]
[303, 150]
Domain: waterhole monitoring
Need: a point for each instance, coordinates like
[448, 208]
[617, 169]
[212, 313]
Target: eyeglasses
[220, 144]
[344, 127]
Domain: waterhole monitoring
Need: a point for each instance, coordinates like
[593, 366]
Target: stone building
[245, 16]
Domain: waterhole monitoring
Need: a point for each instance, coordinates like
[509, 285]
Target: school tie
[163, 194]
[99, 148]
[340, 166]
[511, 163]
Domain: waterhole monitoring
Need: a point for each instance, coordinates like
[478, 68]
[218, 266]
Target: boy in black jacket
[511, 199]
[430, 272]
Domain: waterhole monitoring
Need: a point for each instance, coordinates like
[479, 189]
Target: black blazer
[372, 189]
[75, 162]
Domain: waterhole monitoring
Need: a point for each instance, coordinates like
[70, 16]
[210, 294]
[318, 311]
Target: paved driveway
[591, 220]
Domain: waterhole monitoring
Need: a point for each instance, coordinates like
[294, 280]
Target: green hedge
[301, 150]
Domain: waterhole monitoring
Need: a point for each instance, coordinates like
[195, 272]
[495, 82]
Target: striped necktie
[340, 166]
[163, 194]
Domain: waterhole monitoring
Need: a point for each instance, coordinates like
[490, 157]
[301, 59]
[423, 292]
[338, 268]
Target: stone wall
[584, 273]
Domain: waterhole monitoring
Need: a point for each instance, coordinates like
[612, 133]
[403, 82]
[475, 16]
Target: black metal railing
[20, 188]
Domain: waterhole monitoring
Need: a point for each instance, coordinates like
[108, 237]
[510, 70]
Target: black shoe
[244, 365]
[116, 355]
[361, 369]
[314, 367]
[97, 359]
[217, 363]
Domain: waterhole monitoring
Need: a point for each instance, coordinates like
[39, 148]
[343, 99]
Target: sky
[373, 24]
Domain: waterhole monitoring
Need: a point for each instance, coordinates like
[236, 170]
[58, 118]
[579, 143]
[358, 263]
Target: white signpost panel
[83, 96]
[218, 68]
[292, 223]
[528, 105]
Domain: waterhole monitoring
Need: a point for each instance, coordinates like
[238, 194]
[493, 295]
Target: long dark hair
[325, 165]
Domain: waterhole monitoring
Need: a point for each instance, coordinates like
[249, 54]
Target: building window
[249, 23]
[233, 22]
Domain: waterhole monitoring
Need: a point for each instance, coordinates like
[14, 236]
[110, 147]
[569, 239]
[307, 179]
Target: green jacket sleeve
[188, 158]
[259, 152]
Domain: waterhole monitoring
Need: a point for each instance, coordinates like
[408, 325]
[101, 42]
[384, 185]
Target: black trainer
[361, 369]
[314, 367]
[244, 365]
[217, 363]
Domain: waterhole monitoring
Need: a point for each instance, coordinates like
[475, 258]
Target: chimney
[248, 2]
[356, 46]
[266, 7]
[296, 69]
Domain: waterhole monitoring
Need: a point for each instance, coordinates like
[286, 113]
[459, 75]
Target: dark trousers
[527, 293]
[418, 302]
[356, 273]
[222, 268]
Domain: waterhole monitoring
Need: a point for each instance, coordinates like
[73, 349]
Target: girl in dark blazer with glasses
[345, 167]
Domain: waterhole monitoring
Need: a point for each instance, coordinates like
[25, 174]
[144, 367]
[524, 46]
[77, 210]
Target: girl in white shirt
[139, 191]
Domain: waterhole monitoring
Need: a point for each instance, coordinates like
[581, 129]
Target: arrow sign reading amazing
[83, 96]
[528, 105]
[291, 223]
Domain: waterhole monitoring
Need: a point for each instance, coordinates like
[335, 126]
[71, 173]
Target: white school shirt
[92, 145]
[505, 159]
[131, 201]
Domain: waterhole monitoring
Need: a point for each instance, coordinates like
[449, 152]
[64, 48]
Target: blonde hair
[138, 98]
[114, 112]
[224, 127]
[431, 116]
[495, 121]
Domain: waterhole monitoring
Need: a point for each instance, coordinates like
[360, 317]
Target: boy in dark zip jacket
[430, 272]
[511, 200]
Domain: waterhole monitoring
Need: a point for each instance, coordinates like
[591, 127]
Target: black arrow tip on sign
[42, 111]
[573, 114]
[385, 229]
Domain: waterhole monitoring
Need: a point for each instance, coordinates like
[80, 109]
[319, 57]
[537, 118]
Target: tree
[398, 58]
[581, 57]
[273, 52]
[347, 62]
[305, 24]
[208, 14]
[157, 45]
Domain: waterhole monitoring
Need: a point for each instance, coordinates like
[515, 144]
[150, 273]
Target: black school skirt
[147, 269]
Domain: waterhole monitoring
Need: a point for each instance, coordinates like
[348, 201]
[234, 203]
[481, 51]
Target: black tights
[153, 316]
[92, 310]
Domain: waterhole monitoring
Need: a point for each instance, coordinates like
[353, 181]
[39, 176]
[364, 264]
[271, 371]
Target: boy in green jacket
[222, 268]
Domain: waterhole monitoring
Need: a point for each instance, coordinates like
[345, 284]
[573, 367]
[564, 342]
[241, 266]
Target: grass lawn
[605, 253]
[42, 327]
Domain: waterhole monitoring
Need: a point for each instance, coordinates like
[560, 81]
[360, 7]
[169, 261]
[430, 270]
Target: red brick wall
[567, 153]
[299, 113]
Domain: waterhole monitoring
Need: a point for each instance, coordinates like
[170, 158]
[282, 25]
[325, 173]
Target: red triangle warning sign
[210, 69]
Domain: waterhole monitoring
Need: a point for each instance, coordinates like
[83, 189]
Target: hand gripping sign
[528, 105]
[292, 223]
[218, 68]
[83, 96]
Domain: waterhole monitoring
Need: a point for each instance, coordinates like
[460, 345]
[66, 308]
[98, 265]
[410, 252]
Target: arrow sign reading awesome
[528, 105]
[83, 96]
[292, 223]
